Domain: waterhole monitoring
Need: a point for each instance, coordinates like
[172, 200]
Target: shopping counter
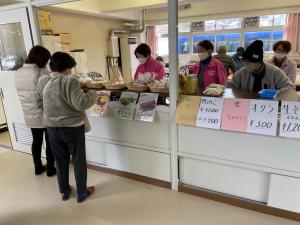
[130, 146]
[256, 167]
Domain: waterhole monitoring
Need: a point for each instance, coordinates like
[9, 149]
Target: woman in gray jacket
[26, 81]
[64, 105]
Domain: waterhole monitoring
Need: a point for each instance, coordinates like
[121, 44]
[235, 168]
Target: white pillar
[34, 24]
[173, 70]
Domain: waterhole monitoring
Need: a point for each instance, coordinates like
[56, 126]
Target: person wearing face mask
[208, 70]
[237, 58]
[64, 106]
[257, 75]
[147, 63]
[281, 60]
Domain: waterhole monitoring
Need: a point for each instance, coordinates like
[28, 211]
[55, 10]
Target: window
[198, 38]
[228, 32]
[161, 29]
[226, 24]
[163, 41]
[279, 20]
[13, 52]
[210, 25]
[272, 20]
[231, 41]
[183, 45]
[163, 46]
[268, 37]
[266, 21]
[184, 27]
[265, 36]
[277, 36]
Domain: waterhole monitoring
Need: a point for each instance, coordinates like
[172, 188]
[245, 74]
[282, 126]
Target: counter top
[236, 93]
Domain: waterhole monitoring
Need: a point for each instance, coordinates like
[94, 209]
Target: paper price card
[101, 106]
[210, 113]
[235, 115]
[290, 119]
[263, 117]
[145, 110]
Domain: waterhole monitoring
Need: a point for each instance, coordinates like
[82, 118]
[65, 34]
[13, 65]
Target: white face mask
[250, 67]
[142, 60]
[203, 55]
[280, 56]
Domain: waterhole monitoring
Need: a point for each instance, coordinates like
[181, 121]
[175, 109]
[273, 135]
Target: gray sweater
[274, 78]
[63, 100]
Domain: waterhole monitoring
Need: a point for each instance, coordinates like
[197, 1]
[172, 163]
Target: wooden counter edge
[239, 202]
[218, 197]
[132, 176]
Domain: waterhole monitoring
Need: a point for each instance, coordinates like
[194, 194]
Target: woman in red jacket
[208, 70]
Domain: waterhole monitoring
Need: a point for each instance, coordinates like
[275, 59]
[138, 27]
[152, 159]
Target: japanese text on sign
[235, 115]
[210, 113]
[290, 119]
[263, 117]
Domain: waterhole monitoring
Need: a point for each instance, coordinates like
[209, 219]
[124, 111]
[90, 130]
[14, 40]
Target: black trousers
[36, 148]
[67, 142]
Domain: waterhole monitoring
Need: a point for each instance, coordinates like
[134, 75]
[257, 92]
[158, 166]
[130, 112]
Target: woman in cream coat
[26, 80]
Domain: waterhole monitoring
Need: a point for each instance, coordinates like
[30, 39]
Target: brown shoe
[82, 198]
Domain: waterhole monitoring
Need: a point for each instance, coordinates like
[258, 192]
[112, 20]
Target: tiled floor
[33, 200]
[5, 139]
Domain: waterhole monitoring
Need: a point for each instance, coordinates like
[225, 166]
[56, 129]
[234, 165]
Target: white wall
[89, 33]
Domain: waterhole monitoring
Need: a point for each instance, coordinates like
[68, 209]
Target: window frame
[215, 32]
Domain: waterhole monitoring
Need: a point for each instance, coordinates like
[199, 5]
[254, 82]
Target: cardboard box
[65, 38]
[45, 22]
[65, 47]
[56, 44]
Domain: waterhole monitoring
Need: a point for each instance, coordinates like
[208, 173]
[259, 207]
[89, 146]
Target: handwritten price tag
[210, 113]
[290, 119]
[235, 115]
[263, 117]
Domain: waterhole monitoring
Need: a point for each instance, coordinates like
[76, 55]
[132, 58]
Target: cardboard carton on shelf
[64, 38]
[45, 22]
[51, 43]
[65, 47]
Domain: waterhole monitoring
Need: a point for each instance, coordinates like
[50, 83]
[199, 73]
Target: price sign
[235, 115]
[263, 117]
[290, 119]
[210, 113]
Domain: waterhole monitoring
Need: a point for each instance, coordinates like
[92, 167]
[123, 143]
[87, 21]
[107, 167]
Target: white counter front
[132, 146]
[239, 164]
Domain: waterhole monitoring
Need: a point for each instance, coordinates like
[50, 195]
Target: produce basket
[137, 87]
[114, 86]
[156, 89]
[95, 84]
